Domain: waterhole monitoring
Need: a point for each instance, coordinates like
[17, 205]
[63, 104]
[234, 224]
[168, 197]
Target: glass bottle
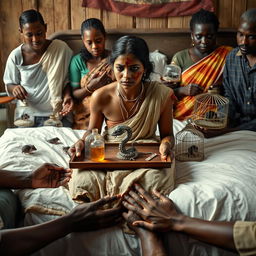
[87, 145]
[23, 116]
[97, 147]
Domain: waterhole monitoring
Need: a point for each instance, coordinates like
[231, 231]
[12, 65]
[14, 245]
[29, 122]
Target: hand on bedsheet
[157, 211]
[50, 176]
[92, 216]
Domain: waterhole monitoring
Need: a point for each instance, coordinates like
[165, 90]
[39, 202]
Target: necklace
[136, 103]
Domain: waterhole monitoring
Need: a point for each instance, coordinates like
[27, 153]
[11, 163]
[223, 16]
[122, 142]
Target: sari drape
[206, 72]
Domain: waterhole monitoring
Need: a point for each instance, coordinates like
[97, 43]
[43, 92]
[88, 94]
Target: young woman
[89, 70]
[133, 101]
[202, 65]
[36, 71]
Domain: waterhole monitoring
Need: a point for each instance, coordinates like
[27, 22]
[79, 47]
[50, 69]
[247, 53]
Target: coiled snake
[129, 153]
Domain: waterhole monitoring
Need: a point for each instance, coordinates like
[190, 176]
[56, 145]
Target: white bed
[222, 187]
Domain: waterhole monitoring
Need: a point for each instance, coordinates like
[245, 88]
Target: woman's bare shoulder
[104, 92]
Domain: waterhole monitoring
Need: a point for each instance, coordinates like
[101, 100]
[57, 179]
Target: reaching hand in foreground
[157, 211]
[91, 216]
[85, 217]
[50, 176]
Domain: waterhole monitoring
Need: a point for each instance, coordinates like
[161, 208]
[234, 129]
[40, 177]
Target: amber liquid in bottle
[97, 153]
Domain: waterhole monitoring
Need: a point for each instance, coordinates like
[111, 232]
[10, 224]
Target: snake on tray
[125, 153]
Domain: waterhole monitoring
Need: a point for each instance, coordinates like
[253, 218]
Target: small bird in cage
[189, 144]
[193, 151]
[210, 110]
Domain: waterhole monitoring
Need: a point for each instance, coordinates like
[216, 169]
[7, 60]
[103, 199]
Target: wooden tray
[112, 162]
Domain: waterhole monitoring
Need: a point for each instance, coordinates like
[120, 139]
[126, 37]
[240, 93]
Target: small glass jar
[97, 146]
[23, 116]
[172, 73]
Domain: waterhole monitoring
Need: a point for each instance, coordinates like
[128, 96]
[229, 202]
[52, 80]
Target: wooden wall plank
[109, 19]
[125, 21]
[238, 8]
[77, 13]
[114, 20]
[251, 4]
[225, 13]
[61, 15]
[93, 13]
[10, 35]
[46, 8]
[186, 21]
[30, 4]
[142, 22]
[158, 23]
[174, 22]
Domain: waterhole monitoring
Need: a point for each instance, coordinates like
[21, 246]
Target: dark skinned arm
[46, 176]
[85, 217]
[159, 214]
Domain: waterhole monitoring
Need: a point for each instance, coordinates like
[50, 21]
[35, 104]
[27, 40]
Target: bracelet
[88, 90]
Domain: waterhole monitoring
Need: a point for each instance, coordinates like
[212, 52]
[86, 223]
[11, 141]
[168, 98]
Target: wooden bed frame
[167, 41]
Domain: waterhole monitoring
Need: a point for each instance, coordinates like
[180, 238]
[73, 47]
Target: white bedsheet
[222, 187]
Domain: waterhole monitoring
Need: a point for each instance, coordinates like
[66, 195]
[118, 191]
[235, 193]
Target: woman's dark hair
[204, 17]
[132, 45]
[87, 25]
[30, 16]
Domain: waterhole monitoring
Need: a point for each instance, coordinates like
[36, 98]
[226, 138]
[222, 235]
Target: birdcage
[210, 110]
[189, 144]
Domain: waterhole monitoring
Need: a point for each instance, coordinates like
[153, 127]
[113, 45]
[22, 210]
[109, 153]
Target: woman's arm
[166, 129]
[96, 121]
[96, 110]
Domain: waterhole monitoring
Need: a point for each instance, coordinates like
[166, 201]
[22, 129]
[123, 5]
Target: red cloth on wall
[154, 9]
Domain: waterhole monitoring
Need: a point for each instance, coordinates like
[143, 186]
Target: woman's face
[128, 70]
[34, 35]
[94, 42]
[204, 37]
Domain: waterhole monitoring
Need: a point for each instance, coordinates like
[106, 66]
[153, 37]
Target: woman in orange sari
[202, 65]
[89, 70]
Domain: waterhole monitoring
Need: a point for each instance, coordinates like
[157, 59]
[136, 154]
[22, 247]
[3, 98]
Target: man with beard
[239, 78]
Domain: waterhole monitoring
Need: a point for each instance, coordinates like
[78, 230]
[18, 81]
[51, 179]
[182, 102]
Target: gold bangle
[88, 90]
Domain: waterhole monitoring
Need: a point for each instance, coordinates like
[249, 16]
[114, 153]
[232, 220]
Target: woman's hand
[99, 80]
[77, 148]
[165, 150]
[67, 105]
[19, 92]
[157, 211]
